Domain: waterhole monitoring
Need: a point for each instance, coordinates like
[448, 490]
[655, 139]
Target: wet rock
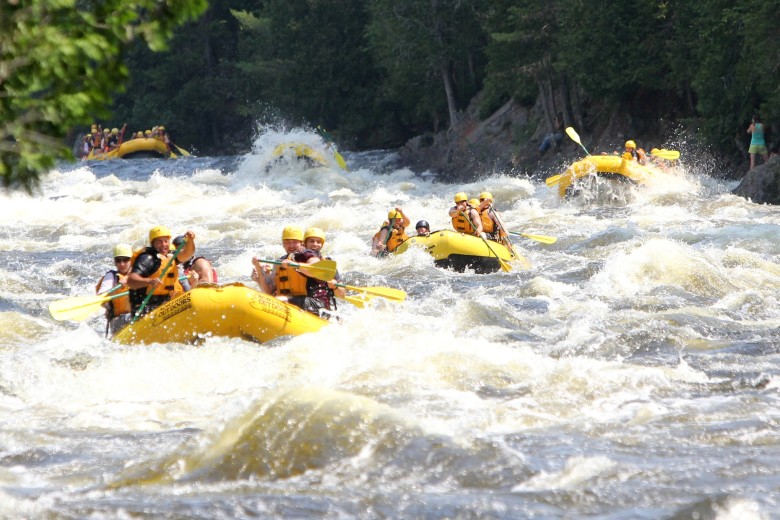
[762, 183]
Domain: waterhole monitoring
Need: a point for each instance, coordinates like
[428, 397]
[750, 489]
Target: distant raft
[308, 154]
[458, 251]
[604, 165]
[140, 148]
[232, 311]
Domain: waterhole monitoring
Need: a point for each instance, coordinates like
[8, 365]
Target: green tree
[430, 48]
[60, 62]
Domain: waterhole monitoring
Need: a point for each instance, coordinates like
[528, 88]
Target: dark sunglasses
[120, 259]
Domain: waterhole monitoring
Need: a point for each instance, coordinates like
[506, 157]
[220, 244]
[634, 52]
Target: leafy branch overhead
[60, 65]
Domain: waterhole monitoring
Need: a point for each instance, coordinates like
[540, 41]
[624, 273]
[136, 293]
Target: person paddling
[197, 269]
[155, 273]
[115, 281]
[314, 240]
[465, 218]
[391, 233]
[290, 284]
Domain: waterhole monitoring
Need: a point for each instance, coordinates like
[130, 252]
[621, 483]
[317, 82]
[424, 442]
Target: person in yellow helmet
[391, 233]
[115, 280]
[148, 274]
[465, 218]
[629, 154]
[314, 240]
[198, 269]
[491, 224]
[293, 285]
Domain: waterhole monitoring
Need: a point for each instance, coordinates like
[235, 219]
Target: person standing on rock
[757, 142]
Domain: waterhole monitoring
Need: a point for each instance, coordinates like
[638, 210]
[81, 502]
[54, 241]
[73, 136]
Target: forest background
[377, 73]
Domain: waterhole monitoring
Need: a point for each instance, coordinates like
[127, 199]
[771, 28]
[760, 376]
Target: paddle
[555, 179]
[383, 292]
[359, 301]
[79, 308]
[502, 229]
[576, 138]
[162, 275]
[544, 239]
[326, 268]
[182, 150]
[504, 266]
[328, 141]
[669, 155]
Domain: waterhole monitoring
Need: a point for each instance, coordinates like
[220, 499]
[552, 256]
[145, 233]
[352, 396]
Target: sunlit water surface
[631, 372]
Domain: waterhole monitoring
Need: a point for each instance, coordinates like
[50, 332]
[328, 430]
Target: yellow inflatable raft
[457, 251]
[309, 154]
[233, 310]
[144, 147]
[600, 165]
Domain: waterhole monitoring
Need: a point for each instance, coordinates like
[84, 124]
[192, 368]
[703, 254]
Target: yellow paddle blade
[554, 180]
[182, 151]
[544, 239]
[340, 160]
[173, 155]
[79, 308]
[383, 292]
[360, 301]
[669, 155]
[573, 135]
[576, 138]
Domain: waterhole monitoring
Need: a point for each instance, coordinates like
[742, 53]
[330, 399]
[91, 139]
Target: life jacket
[488, 226]
[120, 305]
[629, 156]
[189, 263]
[462, 224]
[290, 282]
[395, 238]
[170, 283]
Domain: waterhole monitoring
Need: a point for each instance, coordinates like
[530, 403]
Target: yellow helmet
[630, 144]
[123, 250]
[292, 233]
[106, 131]
[473, 203]
[394, 214]
[161, 128]
[314, 232]
[148, 132]
[114, 130]
[485, 195]
[157, 232]
[461, 196]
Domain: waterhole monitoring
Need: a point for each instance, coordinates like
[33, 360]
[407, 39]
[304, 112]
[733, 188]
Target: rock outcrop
[762, 184]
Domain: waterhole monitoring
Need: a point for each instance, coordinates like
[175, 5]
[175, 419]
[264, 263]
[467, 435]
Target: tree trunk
[450, 91]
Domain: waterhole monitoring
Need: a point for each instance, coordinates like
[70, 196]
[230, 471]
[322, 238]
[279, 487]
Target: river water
[631, 372]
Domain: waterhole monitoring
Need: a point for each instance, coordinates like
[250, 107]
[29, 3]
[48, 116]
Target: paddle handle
[291, 264]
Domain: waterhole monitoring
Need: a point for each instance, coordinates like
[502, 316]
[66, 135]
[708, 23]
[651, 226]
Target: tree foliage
[59, 66]
[375, 72]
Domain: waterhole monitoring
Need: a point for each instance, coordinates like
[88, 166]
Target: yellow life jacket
[120, 305]
[170, 283]
[290, 282]
[462, 224]
[488, 226]
[395, 238]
